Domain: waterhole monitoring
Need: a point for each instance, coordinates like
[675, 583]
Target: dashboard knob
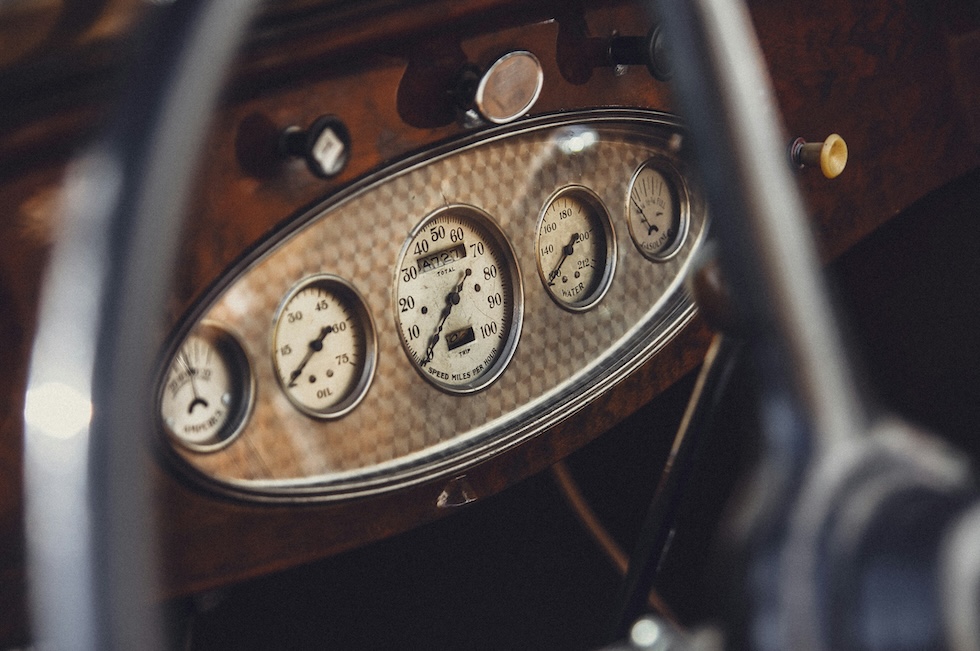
[325, 145]
[648, 50]
[830, 155]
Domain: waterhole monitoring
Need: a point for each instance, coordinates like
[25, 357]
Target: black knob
[648, 50]
[325, 145]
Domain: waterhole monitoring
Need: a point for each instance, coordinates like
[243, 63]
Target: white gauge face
[207, 390]
[324, 347]
[655, 211]
[458, 299]
[575, 248]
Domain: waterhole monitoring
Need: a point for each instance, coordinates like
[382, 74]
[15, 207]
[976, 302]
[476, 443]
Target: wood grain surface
[893, 78]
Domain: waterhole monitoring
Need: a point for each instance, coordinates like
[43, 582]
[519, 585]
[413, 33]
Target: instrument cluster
[437, 312]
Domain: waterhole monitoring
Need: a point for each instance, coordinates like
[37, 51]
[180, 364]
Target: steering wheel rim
[89, 529]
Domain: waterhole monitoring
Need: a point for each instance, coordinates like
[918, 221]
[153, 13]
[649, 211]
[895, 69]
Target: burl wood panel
[880, 75]
[893, 78]
[836, 67]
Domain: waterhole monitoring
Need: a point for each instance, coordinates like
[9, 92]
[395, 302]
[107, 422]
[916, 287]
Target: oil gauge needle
[565, 252]
[315, 346]
[650, 227]
[452, 299]
[191, 372]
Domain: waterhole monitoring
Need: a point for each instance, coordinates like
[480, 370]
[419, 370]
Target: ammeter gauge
[576, 249]
[324, 346]
[207, 392]
[657, 210]
[458, 299]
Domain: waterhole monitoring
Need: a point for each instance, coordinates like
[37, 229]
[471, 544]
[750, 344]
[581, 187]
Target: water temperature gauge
[576, 250]
[207, 392]
[657, 210]
[324, 346]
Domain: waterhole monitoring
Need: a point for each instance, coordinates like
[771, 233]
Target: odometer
[458, 299]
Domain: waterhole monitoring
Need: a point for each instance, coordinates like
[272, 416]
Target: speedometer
[458, 299]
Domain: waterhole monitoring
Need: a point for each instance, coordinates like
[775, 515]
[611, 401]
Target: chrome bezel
[480, 96]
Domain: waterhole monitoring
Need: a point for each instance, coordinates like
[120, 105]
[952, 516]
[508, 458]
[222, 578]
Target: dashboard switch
[830, 155]
[646, 50]
[325, 145]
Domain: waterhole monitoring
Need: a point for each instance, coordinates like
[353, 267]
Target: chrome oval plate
[405, 430]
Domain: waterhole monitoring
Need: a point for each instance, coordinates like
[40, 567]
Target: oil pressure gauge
[324, 346]
[458, 299]
[657, 210]
[207, 392]
[576, 249]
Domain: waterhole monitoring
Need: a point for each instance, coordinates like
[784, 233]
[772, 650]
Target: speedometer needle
[315, 346]
[650, 227]
[452, 299]
[565, 252]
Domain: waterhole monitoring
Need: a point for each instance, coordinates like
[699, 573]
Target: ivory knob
[830, 155]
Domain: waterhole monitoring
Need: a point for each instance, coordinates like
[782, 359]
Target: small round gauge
[207, 392]
[576, 249]
[458, 299]
[323, 346]
[657, 210]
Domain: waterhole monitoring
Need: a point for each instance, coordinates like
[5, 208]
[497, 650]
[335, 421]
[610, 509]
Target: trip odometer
[458, 299]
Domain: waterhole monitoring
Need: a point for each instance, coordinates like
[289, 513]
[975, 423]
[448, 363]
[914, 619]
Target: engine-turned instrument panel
[438, 311]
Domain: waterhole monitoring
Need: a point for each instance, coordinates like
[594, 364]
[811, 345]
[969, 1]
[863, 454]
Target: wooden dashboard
[896, 80]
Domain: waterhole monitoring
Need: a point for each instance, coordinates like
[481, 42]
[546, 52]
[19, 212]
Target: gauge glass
[207, 392]
[657, 210]
[458, 299]
[576, 250]
[324, 346]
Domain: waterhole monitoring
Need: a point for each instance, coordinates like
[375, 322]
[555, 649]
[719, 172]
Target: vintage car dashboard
[428, 393]
[438, 311]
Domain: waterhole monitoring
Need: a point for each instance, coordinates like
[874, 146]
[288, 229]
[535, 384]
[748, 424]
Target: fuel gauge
[657, 210]
[207, 392]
